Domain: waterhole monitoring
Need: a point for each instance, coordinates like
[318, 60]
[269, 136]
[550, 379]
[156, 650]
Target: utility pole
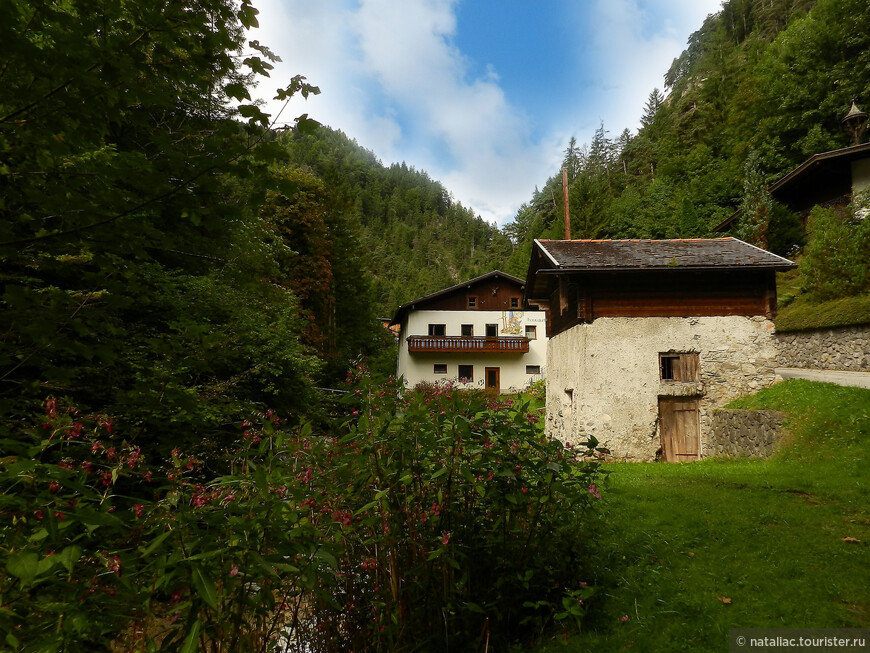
[565, 201]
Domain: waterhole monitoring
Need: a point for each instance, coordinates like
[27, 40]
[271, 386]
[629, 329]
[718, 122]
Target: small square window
[437, 329]
[466, 373]
[467, 330]
[515, 302]
[492, 330]
[440, 368]
[533, 369]
[472, 302]
[678, 367]
[531, 332]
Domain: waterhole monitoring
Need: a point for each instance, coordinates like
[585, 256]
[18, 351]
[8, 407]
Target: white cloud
[635, 42]
[392, 78]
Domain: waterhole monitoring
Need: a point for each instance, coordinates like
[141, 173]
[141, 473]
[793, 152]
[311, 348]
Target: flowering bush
[431, 517]
[466, 519]
[102, 547]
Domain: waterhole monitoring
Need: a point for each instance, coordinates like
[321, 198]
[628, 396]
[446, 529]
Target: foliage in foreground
[689, 551]
[437, 518]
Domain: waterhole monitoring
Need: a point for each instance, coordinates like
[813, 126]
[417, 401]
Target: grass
[689, 551]
[803, 313]
[798, 311]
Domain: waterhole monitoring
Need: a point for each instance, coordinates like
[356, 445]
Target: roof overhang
[829, 169]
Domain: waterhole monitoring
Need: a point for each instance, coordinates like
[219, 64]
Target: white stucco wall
[860, 175]
[611, 367]
[419, 367]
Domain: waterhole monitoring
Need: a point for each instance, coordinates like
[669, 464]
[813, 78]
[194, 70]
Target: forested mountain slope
[762, 85]
[413, 237]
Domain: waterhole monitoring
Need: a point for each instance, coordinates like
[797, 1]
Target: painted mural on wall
[512, 323]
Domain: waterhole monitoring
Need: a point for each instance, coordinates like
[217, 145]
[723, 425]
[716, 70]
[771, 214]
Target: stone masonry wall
[744, 432]
[603, 377]
[842, 348]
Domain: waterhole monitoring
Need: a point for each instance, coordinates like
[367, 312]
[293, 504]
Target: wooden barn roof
[618, 255]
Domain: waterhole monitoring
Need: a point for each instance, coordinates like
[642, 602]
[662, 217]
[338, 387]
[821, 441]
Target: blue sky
[482, 95]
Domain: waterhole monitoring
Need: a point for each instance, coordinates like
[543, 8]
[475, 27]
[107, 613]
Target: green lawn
[689, 551]
[798, 312]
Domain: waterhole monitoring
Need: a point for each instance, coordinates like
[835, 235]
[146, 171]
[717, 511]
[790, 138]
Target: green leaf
[69, 556]
[155, 543]
[204, 586]
[237, 91]
[24, 565]
[441, 472]
[191, 642]
[370, 504]
[327, 557]
[306, 125]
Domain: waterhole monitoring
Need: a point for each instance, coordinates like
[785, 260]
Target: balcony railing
[467, 344]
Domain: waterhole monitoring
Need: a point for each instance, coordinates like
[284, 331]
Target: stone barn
[649, 337]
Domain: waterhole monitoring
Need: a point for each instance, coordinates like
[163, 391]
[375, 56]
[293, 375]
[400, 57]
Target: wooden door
[493, 377]
[679, 425]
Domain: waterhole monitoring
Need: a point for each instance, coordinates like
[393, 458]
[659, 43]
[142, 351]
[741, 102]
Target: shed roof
[623, 255]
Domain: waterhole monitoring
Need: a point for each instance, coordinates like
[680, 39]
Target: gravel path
[858, 379]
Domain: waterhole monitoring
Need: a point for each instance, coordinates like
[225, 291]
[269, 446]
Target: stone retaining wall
[744, 433]
[841, 348]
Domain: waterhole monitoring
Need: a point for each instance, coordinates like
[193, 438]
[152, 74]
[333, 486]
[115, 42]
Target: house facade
[648, 338]
[477, 334]
[825, 179]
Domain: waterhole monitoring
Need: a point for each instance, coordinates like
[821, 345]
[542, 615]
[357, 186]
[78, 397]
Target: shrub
[433, 517]
[102, 547]
[836, 261]
[467, 520]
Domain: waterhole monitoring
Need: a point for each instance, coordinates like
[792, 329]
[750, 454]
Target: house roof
[800, 185]
[404, 308]
[623, 255]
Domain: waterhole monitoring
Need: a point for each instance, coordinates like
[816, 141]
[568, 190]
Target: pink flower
[113, 564]
[624, 618]
[446, 539]
[138, 509]
[53, 487]
[593, 490]
[234, 571]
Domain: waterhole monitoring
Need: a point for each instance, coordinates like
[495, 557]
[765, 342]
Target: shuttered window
[679, 367]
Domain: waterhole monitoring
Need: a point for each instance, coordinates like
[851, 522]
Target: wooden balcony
[467, 345]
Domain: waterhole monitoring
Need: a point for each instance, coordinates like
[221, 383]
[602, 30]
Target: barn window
[472, 302]
[492, 330]
[515, 302]
[533, 369]
[678, 367]
[466, 373]
[437, 329]
[467, 330]
[531, 332]
[440, 368]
